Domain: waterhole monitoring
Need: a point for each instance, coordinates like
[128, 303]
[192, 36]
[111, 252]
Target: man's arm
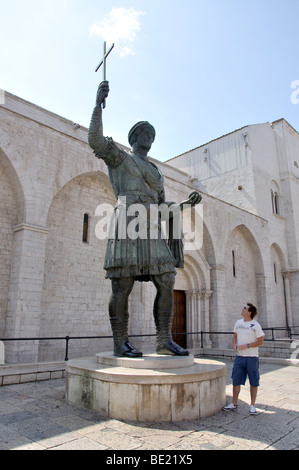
[259, 342]
[235, 345]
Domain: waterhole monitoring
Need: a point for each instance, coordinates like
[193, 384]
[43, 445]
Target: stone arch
[194, 279]
[75, 293]
[251, 240]
[278, 300]
[208, 247]
[196, 273]
[211, 251]
[8, 218]
[244, 282]
[12, 175]
[279, 253]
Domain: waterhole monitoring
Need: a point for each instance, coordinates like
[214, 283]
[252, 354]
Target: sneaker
[230, 407]
[252, 410]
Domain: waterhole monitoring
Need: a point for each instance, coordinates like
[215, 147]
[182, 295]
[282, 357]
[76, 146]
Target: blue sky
[196, 69]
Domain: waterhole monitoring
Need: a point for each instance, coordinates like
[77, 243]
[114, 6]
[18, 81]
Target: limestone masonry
[52, 278]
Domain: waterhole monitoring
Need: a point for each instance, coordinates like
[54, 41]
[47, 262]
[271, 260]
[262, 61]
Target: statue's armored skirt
[136, 257]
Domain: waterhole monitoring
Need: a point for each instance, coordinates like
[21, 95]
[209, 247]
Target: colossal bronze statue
[137, 181]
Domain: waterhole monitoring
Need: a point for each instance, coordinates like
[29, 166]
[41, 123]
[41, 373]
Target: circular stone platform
[150, 361]
[152, 388]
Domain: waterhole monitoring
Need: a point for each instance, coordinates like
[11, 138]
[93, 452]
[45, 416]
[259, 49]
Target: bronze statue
[136, 180]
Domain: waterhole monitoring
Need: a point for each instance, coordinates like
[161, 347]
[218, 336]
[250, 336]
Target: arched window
[275, 199]
[275, 273]
[85, 228]
[276, 203]
[234, 263]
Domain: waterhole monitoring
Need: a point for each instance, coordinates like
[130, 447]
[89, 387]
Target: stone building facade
[52, 278]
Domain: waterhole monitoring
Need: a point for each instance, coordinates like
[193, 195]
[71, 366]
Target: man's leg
[254, 379]
[163, 314]
[119, 317]
[253, 394]
[236, 393]
[238, 378]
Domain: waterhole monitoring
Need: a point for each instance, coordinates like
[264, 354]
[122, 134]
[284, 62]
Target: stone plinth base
[152, 388]
[2, 353]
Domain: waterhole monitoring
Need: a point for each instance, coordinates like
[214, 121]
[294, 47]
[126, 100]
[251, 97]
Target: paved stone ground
[34, 416]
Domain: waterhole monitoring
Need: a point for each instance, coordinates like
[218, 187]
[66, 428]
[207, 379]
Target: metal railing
[291, 334]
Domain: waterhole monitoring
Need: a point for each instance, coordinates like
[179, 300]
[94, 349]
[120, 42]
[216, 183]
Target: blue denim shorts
[243, 367]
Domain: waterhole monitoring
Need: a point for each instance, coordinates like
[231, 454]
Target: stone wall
[53, 284]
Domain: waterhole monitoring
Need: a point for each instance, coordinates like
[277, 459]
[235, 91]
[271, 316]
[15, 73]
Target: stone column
[189, 317]
[25, 292]
[2, 353]
[204, 296]
[193, 317]
[287, 293]
[261, 289]
[198, 306]
[218, 316]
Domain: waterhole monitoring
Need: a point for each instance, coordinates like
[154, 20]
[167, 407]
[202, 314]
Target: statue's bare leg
[163, 314]
[119, 317]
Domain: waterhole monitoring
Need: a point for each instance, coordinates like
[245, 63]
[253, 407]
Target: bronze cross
[103, 62]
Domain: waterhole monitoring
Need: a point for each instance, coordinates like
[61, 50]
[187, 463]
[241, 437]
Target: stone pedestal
[152, 388]
[2, 353]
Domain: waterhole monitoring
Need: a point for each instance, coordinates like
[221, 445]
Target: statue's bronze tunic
[134, 181]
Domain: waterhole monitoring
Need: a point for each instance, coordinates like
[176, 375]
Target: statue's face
[146, 138]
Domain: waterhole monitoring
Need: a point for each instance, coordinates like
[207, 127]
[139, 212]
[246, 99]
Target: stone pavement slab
[35, 416]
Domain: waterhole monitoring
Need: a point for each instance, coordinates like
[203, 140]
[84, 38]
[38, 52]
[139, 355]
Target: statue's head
[137, 130]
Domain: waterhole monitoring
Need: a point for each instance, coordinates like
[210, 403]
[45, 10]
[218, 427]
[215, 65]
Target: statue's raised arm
[96, 139]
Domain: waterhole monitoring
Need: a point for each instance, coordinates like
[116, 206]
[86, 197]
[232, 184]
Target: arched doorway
[244, 275]
[179, 325]
[192, 295]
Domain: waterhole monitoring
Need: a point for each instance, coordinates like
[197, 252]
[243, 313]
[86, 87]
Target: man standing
[248, 337]
[137, 181]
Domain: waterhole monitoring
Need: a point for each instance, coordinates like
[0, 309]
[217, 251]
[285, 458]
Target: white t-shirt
[248, 332]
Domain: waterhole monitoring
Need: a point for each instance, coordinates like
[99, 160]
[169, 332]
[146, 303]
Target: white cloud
[120, 27]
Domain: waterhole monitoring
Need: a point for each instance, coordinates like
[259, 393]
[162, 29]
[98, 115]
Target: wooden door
[179, 318]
